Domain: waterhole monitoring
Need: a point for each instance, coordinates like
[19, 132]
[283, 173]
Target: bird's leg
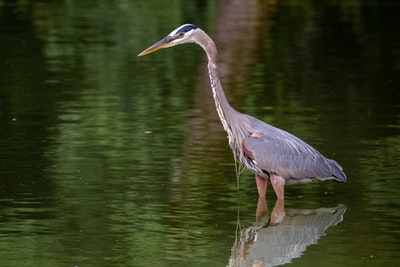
[278, 183]
[261, 186]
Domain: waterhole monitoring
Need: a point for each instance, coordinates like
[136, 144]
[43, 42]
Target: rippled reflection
[277, 238]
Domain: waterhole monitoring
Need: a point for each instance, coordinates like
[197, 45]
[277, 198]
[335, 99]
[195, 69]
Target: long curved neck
[224, 109]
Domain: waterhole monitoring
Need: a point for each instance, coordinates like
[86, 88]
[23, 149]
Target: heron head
[182, 34]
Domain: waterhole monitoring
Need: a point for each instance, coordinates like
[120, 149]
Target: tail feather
[337, 171]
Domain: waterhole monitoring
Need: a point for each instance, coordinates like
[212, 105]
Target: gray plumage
[267, 151]
[273, 149]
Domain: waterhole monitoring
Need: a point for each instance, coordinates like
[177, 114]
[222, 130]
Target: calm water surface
[107, 159]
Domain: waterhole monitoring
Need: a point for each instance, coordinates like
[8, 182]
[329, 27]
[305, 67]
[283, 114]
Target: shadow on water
[278, 237]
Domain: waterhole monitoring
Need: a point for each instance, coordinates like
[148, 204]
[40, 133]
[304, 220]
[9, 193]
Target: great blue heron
[269, 152]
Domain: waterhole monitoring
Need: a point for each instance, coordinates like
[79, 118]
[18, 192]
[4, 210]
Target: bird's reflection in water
[277, 238]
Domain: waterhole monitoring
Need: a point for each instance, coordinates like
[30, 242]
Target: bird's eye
[181, 34]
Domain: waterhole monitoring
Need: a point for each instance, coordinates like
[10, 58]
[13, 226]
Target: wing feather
[290, 157]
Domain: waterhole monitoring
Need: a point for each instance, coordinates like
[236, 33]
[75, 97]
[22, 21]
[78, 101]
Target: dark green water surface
[107, 159]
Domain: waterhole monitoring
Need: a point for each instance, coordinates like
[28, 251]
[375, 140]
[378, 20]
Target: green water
[107, 159]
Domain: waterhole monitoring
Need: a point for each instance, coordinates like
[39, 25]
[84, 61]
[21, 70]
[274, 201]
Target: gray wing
[290, 157]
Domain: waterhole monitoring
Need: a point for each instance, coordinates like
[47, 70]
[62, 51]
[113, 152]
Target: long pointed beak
[157, 46]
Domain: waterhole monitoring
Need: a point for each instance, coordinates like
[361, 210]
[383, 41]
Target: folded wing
[291, 158]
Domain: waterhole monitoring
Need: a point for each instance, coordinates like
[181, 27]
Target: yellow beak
[157, 46]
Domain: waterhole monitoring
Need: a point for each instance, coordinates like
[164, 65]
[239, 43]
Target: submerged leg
[261, 185]
[278, 183]
[278, 213]
[262, 208]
